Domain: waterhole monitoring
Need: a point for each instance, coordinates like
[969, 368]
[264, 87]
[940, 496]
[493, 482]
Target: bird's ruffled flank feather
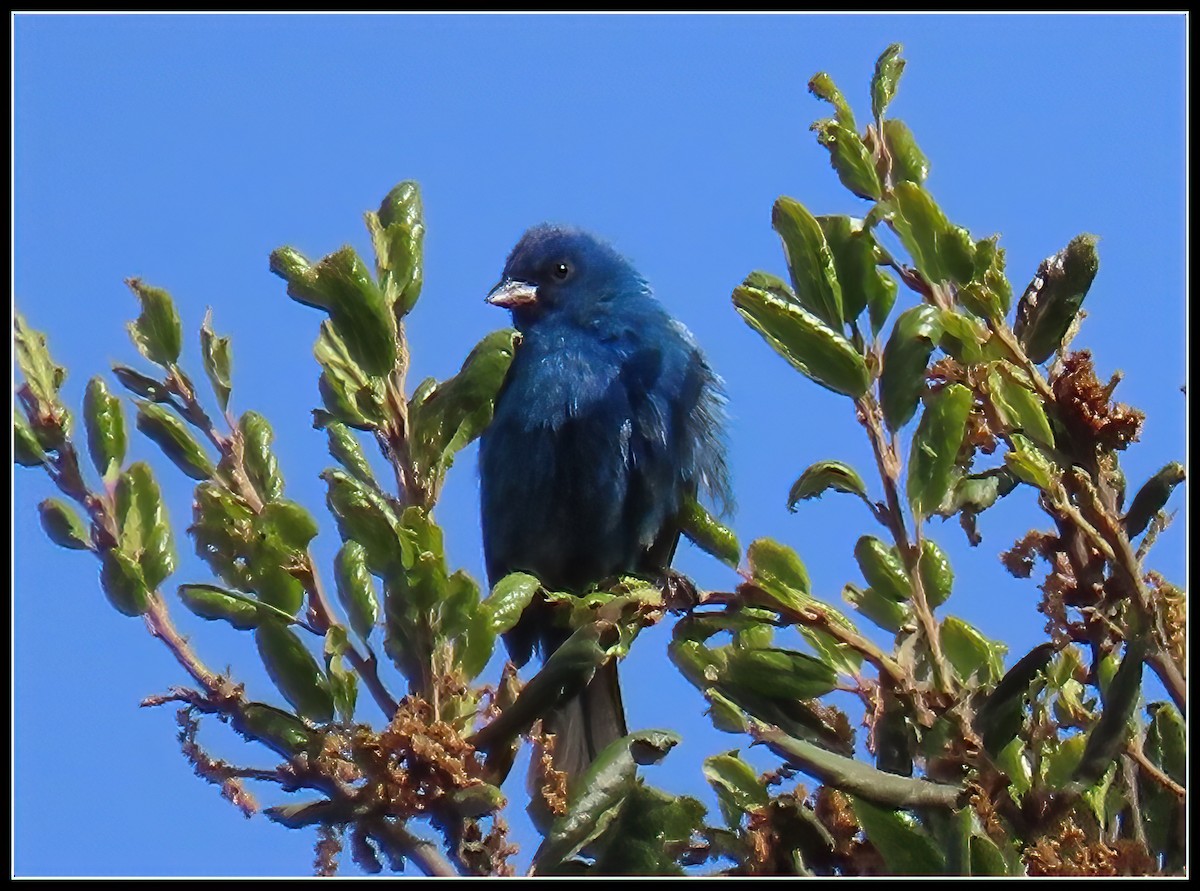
[707, 429]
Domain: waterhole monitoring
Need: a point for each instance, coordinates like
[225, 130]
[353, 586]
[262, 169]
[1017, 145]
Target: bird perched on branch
[609, 417]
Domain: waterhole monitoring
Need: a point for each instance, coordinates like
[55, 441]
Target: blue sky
[183, 149]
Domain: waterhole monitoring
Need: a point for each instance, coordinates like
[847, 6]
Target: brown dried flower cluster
[1086, 408]
[1172, 603]
[217, 772]
[1073, 854]
[548, 784]
[1018, 559]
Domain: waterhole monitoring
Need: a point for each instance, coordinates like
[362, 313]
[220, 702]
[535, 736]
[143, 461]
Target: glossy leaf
[888, 68]
[823, 87]
[935, 446]
[123, 583]
[294, 671]
[346, 450]
[63, 525]
[864, 285]
[972, 655]
[706, 532]
[1031, 464]
[509, 599]
[41, 374]
[218, 361]
[779, 571]
[145, 530]
[341, 285]
[27, 451]
[1107, 737]
[356, 589]
[363, 515]
[909, 163]
[780, 673]
[653, 829]
[850, 158]
[937, 576]
[140, 384]
[999, 716]
[738, 787]
[1015, 403]
[397, 233]
[883, 569]
[177, 443]
[809, 261]
[212, 603]
[823, 476]
[157, 332]
[941, 251]
[105, 423]
[905, 358]
[885, 612]
[455, 412]
[261, 465]
[282, 731]
[906, 848]
[1152, 497]
[1052, 300]
[808, 344]
[349, 393]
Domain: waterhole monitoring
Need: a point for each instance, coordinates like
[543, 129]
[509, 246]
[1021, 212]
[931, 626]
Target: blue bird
[609, 416]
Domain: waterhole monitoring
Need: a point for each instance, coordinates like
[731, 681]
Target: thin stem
[403, 844]
[1134, 751]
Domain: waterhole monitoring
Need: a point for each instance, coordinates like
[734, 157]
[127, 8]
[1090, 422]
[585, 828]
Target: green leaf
[156, 332]
[42, 376]
[963, 337]
[739, 789]
[1152, 497]
[808, 344]
[941, 251]
[397, 234]
[856, 778]
[343, 683]
[105, 423]
[509, 599]
[261, 466]
[999, 717]
[346, 450]
[356, 589]
[294, 671]
[145, 530]
[218, 361]
[909, 163]
[850, 158]
[1107, 737]
[63, 526]
[935, 447]
[905, 358]
[989, 293]
[780, 572]
[363, 515]
[596, 800]
[779, 673]
[1052, 300]
[823, 87]
[285, 528]
[825, 475]
[341, 285]
[1061, 760]
[349, 393]
[937, 576]
[906, 848]
[455, 412]
[141, 385]
[1031, 464]
[885, 612]
[123, 583]
[1018, 408]
[864, 285]
[809, 261]
[27, 451]
[170, 435]
[976, 492]
[883, 569]
[888, 68]
[707, 533]
[972, 655]
[653, 829]
[474, 802]
[212, 603]
[283, 732]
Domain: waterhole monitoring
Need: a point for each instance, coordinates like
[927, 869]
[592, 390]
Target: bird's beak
[512, 295]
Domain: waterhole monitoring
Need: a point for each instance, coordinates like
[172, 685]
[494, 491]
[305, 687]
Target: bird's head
[564, 273]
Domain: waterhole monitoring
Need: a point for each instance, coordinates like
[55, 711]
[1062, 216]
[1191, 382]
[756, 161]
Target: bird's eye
[561, 271]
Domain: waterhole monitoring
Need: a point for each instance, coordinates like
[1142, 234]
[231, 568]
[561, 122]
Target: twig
[398, 843]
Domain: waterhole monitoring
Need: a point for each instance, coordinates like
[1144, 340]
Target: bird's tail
[587, 722]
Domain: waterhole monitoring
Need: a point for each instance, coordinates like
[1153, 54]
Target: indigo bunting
[609, 416]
